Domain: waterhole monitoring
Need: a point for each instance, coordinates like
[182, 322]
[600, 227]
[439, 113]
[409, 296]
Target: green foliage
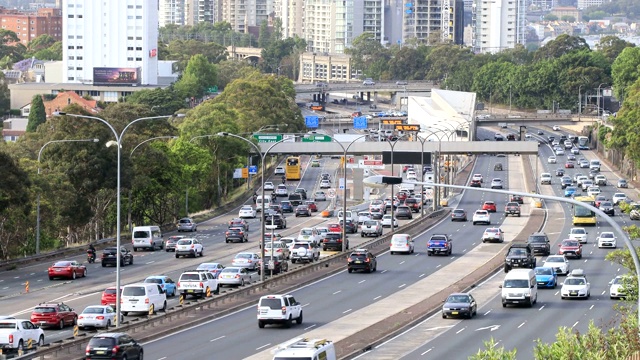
[611, 46]
[492, 352]
[198, 76]
[184, 50]
[11, 49]
[625, 136]
[264, 36]
[561, 45]
[568, 18]
[625, 70]
[550, 17]
[278, 50]
[37, 114]
[219, 33]
[14, 204]
[368, 56]
[42, 42]
[629, 8]
[164, 101]
[445, 59]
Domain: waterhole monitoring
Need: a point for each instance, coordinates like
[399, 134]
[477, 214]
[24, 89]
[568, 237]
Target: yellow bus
[292, 168]
[582, 215]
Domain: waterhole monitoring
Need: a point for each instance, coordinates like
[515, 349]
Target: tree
[568, 18]
[198, 76]
[446, 59]
[611, 46]
[559, 46]
[550, 17]
[409, 63]
[53, 53]
[11, 49]
[368, 55]
[625, 70]
[264, 35]
[5, 96]
[183, 50]
[37, 114]
[43, 41]
[164, 101]
[14, 205]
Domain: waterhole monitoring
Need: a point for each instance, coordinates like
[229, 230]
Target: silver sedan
[234, 276]
[97, 316]
[246, 260]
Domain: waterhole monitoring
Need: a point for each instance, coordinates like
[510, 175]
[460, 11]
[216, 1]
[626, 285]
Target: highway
[237, 335]
[514, 327]
[87, 291]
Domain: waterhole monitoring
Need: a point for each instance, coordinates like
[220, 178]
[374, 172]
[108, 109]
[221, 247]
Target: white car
[552, 160]
[412, 177]
[281, 190]
[386, 221]
[279, 170]
[97, 316]
[586, 184]
[321, 230]
[496, 183]
[279, 248]
[481, 217]
[493, 235]
[247, 260]
[189, 247]
[556, 128]
[616, 288]
[559, 151]
[579, 234]
[308, 234]
[618, 197]
[593, 190]
[580, 179]
[320, 196]
[576, 285]
[363, 216]
[325, 184]
[607, 239]
[269, 186]
[402, 243]
[558, 263]
[545, 178]
[376, 205]
[600, 180]
[247, 211]
[477, 177]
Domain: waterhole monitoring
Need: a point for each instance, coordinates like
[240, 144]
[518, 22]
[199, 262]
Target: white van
[519, 287]
[260, 199]
[594, 165]
[350, 216]
[301, 348]
[139, 297]
[147, 237]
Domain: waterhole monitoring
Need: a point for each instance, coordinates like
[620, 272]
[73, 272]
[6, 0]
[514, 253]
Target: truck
[512, 208]
[197, 283]
[439, 244]
[17, 334]
[519, 255]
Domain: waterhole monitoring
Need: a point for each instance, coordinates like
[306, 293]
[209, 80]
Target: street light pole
[38, 198]
[263, 169]
[579, 102]
[118, 142]
[393, 145]
[599, 96]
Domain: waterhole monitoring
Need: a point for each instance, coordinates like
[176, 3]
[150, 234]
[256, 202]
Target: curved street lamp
[117, 142]
[263, 169]
[393, 145]
[38, 199]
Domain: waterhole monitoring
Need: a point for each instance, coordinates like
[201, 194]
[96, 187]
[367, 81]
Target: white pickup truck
[197, 283]
[16, 333]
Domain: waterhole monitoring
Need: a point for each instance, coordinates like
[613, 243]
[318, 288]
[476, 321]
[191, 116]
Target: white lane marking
[32, 274]
[162, 358]
[438, 266]
[426, 351]
[310, 327]
[16, 277]
[346, 311]
[360, 282]
[591, 307]
[5, 288]
[604, 291]
[487, 313]
[521, 325]
[377, 297]
[422, 275]
[307, 304]
[542, 307]
[461, 330]
[402, 262]
[150, 262]
[401, 286]
[218, 338]
[383, 271]
[337, 292]
[263, 346]
[574, 325]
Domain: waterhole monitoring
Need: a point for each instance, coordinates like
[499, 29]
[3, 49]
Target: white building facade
[498, 25]
[113, 41]
[171, 12]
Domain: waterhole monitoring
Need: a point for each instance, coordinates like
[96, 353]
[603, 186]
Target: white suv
[189, 247]
[278, 309]
[579, 234]
[279, 170]
[477, 177]
[481, 216]
[304, 251]
[281, 190]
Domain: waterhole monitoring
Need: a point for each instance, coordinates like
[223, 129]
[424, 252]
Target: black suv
[110, 256]
[233, 234]
[113, 346]
[539, 242]
[302, 193]
[517, 198]
[277, 262]
[275, 219]
[351, 227]
[519, 255]
[362, 259]
[333, 240]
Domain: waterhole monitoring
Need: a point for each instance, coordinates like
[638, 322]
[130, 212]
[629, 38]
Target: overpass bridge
[533, 119]
[353, 87]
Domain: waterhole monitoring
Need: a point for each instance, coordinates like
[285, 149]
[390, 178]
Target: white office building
[498, 25]
[171, 12]
[111, 42]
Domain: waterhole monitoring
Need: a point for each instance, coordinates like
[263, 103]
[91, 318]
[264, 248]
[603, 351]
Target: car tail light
[349, 259]
[201, 285]
[226, 233]
[80, 317]
[98, 317]
[237, 276]
[178, 283]
[10, 339]
[146, 301]
[115, 350]
[284, 310]
[366, 260]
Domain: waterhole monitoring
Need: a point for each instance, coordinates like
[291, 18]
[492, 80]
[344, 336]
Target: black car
[276, 208]
[403, 211]
[607, 207]
[517, 198]
[275, 263]
[540, 132]
[286, 206]
[276, 219]
[362, 259]
[566, 182]
[303, 210]
[236, 234]
[519, 255]
[325, 176]
[110, 256]
[302, 193]
[333, 240]
[539, 242]
[559, 172]
[351, 227]
[376, 214]
[113, 346]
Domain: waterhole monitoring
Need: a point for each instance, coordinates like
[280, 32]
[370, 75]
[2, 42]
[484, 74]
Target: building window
[130, 38]
[138, 6]
[79, 37]
[69, 67]
[79, 47]
[139, 17]
[70, 36]
[71, 47]
[138, 37]
[33, 22]
[79, 16]
[130, 59]
[71, 16]
[130, 48]
[79, 68]
[79, 58]
[139, 48]
[138, 59]
[71, 57]
[129, 6]
[70, 78]
[94, 93]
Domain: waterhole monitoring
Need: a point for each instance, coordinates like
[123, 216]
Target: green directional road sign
[267, 138]
[316, 138]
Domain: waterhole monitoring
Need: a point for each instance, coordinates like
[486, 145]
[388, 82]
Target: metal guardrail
[69, 347]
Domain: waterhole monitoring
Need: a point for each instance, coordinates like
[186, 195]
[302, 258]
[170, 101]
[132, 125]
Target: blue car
[286, 206]
[165, 283]
[569, 191]
[546, 277]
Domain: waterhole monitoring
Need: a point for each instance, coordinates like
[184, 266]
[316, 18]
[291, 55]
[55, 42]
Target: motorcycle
[91, 256]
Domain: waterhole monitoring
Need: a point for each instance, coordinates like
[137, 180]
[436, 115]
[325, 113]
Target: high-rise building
[171, 12]
[498, 25]
[29, 26]
[110, 42]
[583, 4]
[242, 14]
[437, 21]
[197, 11]
[291, 12]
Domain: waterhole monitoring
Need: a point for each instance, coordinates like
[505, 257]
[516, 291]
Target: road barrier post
[151, 309]
[26, 287]
[29, 343]
[75, 331]
[181, 299]
[208, 292]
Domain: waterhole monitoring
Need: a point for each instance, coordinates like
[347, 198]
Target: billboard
[116, 76]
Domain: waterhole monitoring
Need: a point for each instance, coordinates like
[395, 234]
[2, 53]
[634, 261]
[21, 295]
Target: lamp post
[448, 133]
[118, 143]
[344, 190]
[393, 145]
[383, 181]
[436, 174]
[599, 96]
[579, 102]
[263, 169]
[38, 198]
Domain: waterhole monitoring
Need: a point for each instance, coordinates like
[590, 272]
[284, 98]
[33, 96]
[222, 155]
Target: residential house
[13, 128]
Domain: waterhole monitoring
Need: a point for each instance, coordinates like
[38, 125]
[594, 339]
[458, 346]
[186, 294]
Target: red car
[311, 205]
[570, 248]
[569, 165]
[69, 269]
[54, 315]
[402, 196]
[335, 228]
[599, 199]
[109, 296]
[490, 206]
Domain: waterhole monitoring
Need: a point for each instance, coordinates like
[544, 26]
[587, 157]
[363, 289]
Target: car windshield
[93, 310]
[606, 235]
[544, 271]
[570, 243]
[243, 256]
[230, 270]
[134, 291]
[273, 304]
[555, 259]
[574, 281]
[458, 299]
[370, 223]
[305, 232]
[7, 325]
[184, 242]
[153, 281]
[578, 231]
[517, 252]
[516, 283]
[617, 280]
[537, 239]
[102, 342]
[62, 264]
[44, 310]
[185, 221]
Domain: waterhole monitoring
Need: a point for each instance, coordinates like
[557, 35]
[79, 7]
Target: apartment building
[114, 42]
[583, 4]
[171, 12]
[29, 26]
[243, 14]
[197, 11]
[498, 25]
[433, 21]
[291, 12]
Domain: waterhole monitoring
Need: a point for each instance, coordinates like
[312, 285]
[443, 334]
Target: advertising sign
[116, 76]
